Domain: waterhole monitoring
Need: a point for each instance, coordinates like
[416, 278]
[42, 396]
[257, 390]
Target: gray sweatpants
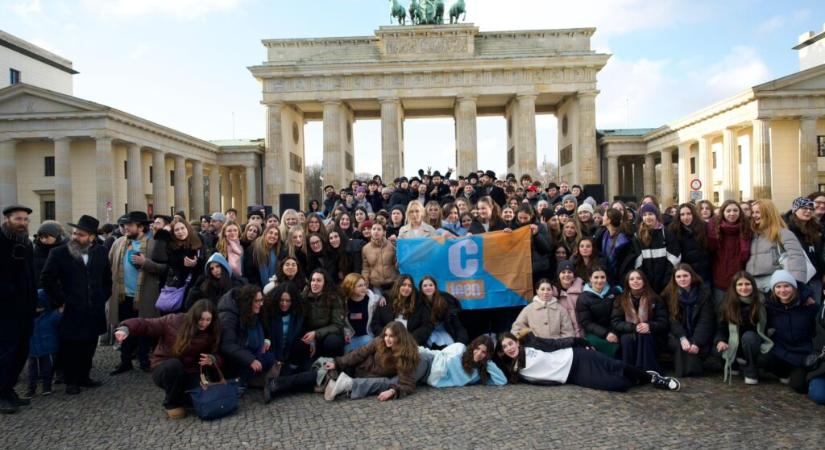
[364, 387]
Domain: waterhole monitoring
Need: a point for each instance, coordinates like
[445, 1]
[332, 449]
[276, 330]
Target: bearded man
[18, 296]
[77, 278]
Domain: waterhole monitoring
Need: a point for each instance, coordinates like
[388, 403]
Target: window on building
[126, 171]
[151, 174]
[820, 145]
[47, 210]
[714, 160]
[48, 166]
[14, 76]
[716, 197]
[739, 153]
[172, 178]
[693, 164]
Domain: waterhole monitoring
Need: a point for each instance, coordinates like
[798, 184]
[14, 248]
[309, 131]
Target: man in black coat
[77, 278]
[18, 300]
[490, 189]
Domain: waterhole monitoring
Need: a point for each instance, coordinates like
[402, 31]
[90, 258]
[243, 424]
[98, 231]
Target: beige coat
[379, 263]
[544, 319]
[148, 283]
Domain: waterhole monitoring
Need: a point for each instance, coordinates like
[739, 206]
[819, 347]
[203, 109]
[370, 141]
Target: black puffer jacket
[703, 319]
[694, 253]
[818, 370]
[41, 252]
[418, 324]
[594, 310]
[451, 321]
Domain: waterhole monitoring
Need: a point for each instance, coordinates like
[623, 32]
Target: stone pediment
[812, 79]
[25, 99]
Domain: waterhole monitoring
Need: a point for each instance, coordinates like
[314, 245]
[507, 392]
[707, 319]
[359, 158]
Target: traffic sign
[695, 184]
[696, 196]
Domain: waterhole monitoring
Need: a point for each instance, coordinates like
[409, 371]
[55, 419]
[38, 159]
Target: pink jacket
[568, 299]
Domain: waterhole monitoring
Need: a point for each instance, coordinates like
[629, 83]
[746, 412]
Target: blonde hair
[415, 204]
[261, 249]
[287, 214]
[770, 222]
[222, 245]
[291, 245]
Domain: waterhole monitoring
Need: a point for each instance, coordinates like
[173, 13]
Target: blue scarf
[268, 270]
[689, 299]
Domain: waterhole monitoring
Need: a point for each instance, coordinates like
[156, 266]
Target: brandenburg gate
[428, 71]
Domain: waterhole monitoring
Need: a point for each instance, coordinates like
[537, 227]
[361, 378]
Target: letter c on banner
[466, 264]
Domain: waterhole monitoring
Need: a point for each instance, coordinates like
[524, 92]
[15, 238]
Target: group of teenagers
[313, 301]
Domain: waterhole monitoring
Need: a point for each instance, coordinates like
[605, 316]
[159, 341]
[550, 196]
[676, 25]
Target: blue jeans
[816, 390]
[357, 341]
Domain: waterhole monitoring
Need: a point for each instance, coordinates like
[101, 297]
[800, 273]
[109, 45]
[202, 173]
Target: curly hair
[404, 353]
[468, 361]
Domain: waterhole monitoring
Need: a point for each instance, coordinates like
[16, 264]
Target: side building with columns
[65, 156]
[765, 142]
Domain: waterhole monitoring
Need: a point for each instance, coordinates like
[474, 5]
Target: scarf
[234, 252]
[640, 314]
[689, 299]
[266, 272]
[729, 355]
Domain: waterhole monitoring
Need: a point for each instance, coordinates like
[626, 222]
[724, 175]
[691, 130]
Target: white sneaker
[784, 380]
[662, 382]
[337, 387]
[749, 380]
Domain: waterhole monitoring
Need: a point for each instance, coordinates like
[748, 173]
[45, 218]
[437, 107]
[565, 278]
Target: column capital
[102, 137]
[584, 94]
[392, 100]
[668, 150]
[62, 139]
[526, 96]
[466, 98]
[331, 101]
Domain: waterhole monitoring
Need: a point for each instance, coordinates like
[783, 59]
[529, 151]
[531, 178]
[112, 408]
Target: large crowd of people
[313, 301]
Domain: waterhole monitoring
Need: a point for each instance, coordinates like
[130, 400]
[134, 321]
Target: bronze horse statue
[397, 12]
[458, 9]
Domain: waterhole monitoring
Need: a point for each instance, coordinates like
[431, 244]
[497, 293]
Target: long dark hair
[508, 365]
[671, 292]
[625, 300]
[328, 295]
[811, 231]
[213, 288]
[743, 222]
[272, 306]
[403, 356]
[697, 227]
[400, 305]
[469, 363]
[244, 297]
[437, 304]
[189, 328]
[731, 306]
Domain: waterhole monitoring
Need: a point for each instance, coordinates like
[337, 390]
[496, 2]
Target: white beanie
[782, 276]
[586, 207]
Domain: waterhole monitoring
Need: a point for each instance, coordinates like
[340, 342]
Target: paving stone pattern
[126, 413]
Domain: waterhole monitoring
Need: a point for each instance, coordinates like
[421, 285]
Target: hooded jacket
[793, 328]
[593, 310]
[196, 292]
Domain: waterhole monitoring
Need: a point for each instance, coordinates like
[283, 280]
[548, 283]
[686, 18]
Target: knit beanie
[565, 265]
[648, 208]
[572, 198]
[586, 207]
[782, 276]
[802, 202]
[50, 228]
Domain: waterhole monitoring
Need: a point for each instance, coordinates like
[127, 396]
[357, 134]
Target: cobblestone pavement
[126, 413]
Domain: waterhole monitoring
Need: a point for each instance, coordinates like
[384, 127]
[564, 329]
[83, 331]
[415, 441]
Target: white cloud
[183, 9]
[25, 8]
[771, 25]
[139, 51]
[650, 93]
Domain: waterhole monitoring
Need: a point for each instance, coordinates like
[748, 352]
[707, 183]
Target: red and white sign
[695, 184]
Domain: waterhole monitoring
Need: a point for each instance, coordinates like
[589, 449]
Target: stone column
[104, 184]
[392, 139]
[135, 193]
[181, 185]
[333, 167]
[235, 174]
[807, 156]
[275, 165]
[197, 188]
[705, 167]
[159, 189]
[650, 176]
[226, 191]
[525, 145]
[587, 159]
[8, 173]
[252, 185]
[466, 137]
[667, 178]
[214, 189]
[612, 177]
[684, 176]
[761, 159]
[63, 180]
[730, 165]
[638, 178]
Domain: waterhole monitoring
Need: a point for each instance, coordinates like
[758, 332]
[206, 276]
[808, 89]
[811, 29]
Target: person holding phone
[186, 343]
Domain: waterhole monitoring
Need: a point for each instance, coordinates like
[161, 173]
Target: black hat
[86, 223]
[510, 175]
[181, 214]
[565, 265]
[436, 174]
[552, 185]
[472, 176]
[415, 179]
[122, 220]
[490, 174]
[167, 219]
[136, 217]
[12, 208]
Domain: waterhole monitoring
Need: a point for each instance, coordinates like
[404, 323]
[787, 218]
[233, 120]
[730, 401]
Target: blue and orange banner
[490, 270]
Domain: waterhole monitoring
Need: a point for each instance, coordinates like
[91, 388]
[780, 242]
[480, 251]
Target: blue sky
[183, 63]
